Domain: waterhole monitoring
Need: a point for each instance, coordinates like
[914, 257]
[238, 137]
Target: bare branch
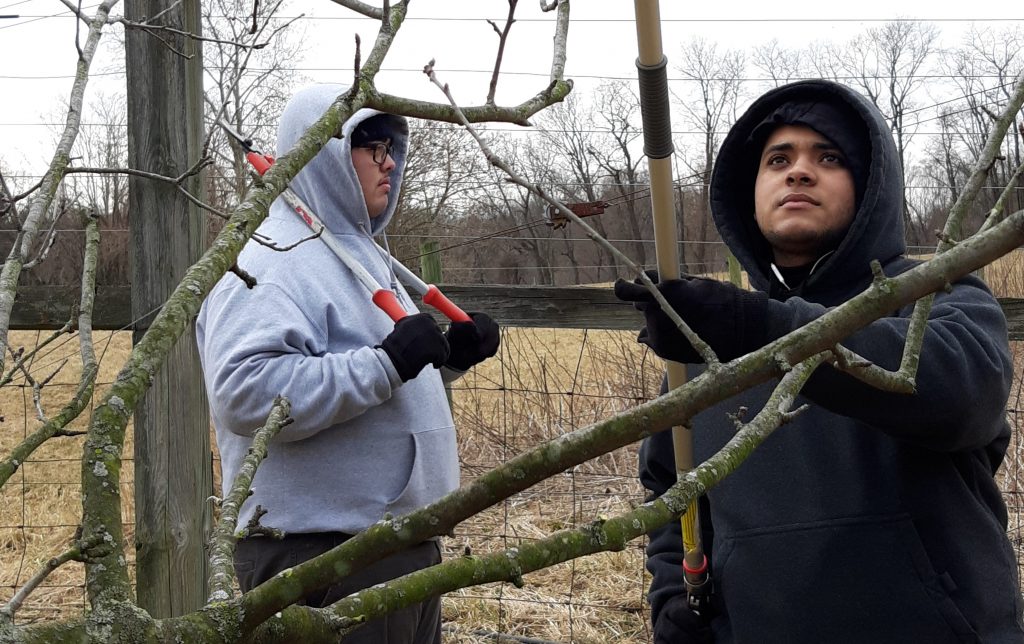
[21, 356]
[560, 39]
[8, 204]
[222, 542]
[176, 181]
[83, 394]
[996, 214]
[36, 217]
[361, 7]
[502, 39]
[699, 345]
[954, 223]
[156, 29]
[600, 535]
[82, 549]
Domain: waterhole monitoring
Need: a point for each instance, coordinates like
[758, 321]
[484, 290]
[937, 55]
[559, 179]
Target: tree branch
[222, 542]
[599, 536]
[80, 551]
[954, 223]
[361, 7]
[702, 347]
[175, 181]
[51, 179]
[557, 455]
[502, 39]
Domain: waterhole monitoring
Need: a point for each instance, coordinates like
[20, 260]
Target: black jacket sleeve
[963, 379]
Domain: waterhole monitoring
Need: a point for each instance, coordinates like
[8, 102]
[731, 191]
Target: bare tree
[249, 56]
[568, 131]
[617, 108]
[781, 64]
[709, 102]
[888, 64]
[442, 174]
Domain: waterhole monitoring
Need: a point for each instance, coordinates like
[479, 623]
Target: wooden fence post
[430, 262]
[172, 428]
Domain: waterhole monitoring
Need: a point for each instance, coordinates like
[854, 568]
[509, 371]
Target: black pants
[258, 559]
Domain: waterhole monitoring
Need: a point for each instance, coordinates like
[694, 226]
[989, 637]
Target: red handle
[386, 301]
[435, 298]
[261, 162]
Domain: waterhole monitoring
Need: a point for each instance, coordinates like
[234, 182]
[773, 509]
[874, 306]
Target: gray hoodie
[362, 443]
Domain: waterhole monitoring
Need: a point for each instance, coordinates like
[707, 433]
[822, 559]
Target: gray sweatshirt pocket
[434, 472]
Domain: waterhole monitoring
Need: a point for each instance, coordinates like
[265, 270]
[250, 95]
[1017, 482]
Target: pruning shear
[384, 298]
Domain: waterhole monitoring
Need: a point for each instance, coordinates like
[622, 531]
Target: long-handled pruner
[655, 112]
[384, 298]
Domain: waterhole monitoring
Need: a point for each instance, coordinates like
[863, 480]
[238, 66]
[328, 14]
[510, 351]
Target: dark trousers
[258, 559]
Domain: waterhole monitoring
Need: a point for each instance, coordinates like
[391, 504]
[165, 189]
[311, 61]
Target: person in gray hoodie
[872, 516]
[372, 431]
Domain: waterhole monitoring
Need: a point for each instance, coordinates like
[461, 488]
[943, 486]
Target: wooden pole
[430, 262]
[172, 428]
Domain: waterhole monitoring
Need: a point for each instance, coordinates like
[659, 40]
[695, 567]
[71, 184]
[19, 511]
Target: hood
[328, 183]
[877, 228]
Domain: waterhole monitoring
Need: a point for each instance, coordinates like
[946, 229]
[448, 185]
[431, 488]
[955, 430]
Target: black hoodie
[873, 517]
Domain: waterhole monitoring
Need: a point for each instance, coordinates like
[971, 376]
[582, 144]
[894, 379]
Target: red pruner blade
[261, 162]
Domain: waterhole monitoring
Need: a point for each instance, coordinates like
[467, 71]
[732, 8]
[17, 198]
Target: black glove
[732, 321]
[677, 624]
[415, 342]
[472, 342]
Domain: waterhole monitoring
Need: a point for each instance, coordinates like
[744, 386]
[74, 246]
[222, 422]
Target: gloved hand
[472, 342]
[731, 320]
[677, 624]
[415, 342]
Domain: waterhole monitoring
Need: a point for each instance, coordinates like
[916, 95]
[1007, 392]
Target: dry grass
[41, 504]
[544, 383]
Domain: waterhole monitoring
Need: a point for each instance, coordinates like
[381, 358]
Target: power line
[538, 74]
[630, 20]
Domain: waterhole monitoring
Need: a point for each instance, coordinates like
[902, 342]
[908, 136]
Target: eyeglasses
[381, 150]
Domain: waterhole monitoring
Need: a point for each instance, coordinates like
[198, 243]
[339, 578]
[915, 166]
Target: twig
[82, 550]
[361, 7]
[502, 39]
[21, 357]
[222, 542]
[247, 279]
[175, 181]
[254, 527]
[153, 29]
[44, 250]
[8, 204]
[954, 223]
[996, 214]
[699, 345]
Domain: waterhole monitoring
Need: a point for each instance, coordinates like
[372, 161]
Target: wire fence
[543, 383]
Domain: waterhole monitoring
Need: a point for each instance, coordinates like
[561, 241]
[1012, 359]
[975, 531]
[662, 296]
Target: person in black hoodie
[873, 516]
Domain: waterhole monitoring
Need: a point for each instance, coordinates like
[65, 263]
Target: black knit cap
[376, 128]
[836, 121]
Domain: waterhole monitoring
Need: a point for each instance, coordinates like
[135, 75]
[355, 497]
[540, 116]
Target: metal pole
[654, 106]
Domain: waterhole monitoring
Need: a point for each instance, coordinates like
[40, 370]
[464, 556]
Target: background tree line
[938, 101]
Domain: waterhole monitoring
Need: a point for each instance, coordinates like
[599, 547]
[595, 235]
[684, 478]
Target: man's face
[373, 163]
[804, 195]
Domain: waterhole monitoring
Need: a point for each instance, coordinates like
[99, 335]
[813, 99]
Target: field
[544, 383]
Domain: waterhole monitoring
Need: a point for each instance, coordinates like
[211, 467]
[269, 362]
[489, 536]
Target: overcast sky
[38, 54]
